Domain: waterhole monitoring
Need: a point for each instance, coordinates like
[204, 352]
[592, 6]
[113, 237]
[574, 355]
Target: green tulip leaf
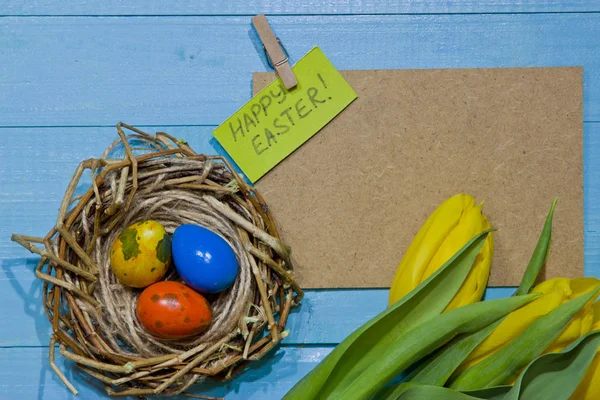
[556, 375]
[538, 258]
[505, 363]
[438, 368]
[382, 360]
[427, 300]
[415, 391]
[551, 376]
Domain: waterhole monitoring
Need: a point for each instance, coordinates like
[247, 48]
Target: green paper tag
[276, 121]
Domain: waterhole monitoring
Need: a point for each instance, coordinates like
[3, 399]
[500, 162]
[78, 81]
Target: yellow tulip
[554, 292]
[447, 230]
[589, 387]
[580, 325]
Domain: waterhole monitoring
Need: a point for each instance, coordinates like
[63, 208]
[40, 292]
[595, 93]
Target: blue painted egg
[204, 260]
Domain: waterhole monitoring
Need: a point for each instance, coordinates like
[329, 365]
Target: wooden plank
[27, 375]
[306, 7]
[196, 70]
[37, 163]
[324, 317]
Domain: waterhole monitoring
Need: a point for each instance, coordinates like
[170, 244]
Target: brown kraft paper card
[350, 200]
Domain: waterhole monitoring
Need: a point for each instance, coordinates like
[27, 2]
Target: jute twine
[93, 315]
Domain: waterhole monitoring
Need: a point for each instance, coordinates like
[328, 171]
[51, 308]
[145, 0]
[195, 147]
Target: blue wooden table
[71, 69]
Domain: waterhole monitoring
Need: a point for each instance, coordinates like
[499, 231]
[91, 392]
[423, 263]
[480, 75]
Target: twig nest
[93, 313]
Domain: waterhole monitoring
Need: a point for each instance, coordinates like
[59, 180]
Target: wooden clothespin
[277, 55]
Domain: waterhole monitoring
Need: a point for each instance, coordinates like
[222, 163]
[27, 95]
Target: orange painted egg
[171, 310]
[140, 255]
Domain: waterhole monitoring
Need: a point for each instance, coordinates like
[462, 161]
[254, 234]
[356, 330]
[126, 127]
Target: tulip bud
[447, 230]
[555, 292]
[589, 387]
[582, 322]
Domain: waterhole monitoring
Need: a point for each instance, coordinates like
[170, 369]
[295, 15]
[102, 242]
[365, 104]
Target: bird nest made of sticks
[93, 315]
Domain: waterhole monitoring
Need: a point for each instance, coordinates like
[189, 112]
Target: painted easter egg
[140, 255]
[204, 260]
[171, 310]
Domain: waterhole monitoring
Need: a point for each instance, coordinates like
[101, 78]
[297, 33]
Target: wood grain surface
[294, 7]
[69, 70]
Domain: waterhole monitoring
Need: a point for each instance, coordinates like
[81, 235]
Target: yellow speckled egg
[140, 255]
